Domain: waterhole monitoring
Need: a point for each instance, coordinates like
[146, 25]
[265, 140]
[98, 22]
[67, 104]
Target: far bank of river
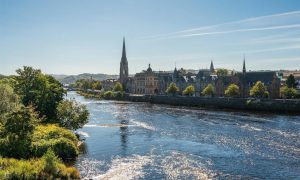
[138, 140]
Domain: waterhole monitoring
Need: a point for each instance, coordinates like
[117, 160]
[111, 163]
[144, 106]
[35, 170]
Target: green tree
[42, 91]
[96, 85]
[118, 87]
[288, 93]
[9, 101]
[190, 90]
[208, 90]
[71, 114]
[291, 81]
[259, 90]
[18, 130]
[222, 72]
[172, 89]
[232, 91]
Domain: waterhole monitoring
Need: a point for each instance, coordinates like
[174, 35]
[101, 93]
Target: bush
[118, 87]
[288, 93]
[62, 141]
[108, 94]
[47, 167]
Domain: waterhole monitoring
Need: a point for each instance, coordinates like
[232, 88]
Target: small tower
[123, 66]
[212, 69]
[244, 66]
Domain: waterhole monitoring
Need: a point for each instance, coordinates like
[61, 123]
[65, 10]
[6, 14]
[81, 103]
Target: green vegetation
[222, 72]
[291, 81]
[31, 145]
[288, 93]
[72, 115]
[208, 90]
[232, 90]
[172, 89]
[190, 90]
[118, 87]
[259, 90]
[47, 167]
[87, 84]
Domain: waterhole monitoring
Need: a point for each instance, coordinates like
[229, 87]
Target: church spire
[212, 69]
[244, 65]
[124, 49]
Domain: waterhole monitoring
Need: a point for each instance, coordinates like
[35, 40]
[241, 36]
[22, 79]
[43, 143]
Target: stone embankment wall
[268, 105]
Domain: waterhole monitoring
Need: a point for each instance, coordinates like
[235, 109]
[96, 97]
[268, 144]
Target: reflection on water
[144, 141]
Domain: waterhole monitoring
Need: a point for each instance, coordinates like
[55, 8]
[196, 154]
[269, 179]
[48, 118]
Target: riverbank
[267, 105]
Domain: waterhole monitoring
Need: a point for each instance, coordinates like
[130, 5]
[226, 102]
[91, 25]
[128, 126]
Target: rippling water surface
[127, 140]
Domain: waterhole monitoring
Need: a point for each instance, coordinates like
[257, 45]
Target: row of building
[156, 82]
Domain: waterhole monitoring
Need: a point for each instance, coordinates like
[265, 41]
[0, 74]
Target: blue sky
[72, 36]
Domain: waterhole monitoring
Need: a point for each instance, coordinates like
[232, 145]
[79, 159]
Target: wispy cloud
[288, 20]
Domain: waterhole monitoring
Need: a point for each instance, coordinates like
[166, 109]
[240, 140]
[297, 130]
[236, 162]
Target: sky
[77, 36]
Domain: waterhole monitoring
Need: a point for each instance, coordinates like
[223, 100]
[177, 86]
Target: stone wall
[268, 105]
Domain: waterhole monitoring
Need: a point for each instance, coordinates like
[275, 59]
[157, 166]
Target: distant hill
[68, 79]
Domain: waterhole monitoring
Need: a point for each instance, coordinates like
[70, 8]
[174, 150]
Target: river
[126, 140]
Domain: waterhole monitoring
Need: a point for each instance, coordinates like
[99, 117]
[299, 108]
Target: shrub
[288, 93]
[118, 87]
[108, 94]
[62, 141]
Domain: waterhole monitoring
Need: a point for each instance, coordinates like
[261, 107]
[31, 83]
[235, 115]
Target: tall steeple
[124, 50]
[123, 66]
[212, 69]
[244, 65]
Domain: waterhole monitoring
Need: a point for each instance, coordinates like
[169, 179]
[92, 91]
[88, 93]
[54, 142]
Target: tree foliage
[118, 87]
[291, 81]
[222, 72]
[41, 91]
[9, 101]
[208, 90]
[232, 90]
[71, 114]
[190, 90]
[288, 93]
[172, 89]
[259, 90]
[17, 133]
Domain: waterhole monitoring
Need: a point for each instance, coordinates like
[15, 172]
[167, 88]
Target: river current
[126, 140]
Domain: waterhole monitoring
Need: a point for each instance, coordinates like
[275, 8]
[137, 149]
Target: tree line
[258, 90]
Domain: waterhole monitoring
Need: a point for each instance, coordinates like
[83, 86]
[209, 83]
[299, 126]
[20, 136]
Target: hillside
[68, 79]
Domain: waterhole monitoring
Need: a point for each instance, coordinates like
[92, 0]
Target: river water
[127, 140]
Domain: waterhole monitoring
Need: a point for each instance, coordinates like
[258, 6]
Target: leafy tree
[18, 130]
[190, 90]
[118, 87]
[222, 72]
[208, 90]
[259, 90]
[51, 162]
[96, 85]
[42, 91]
[291, 82]
[232, 91]
[71, 114]
[9, 101]
[288, 93]
[172, 89]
